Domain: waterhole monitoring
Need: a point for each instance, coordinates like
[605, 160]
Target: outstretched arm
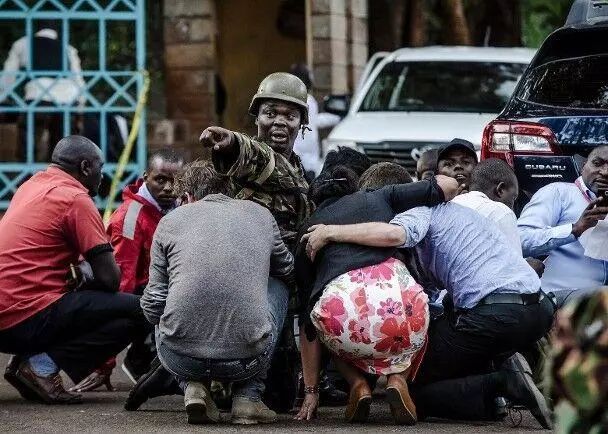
[366, 234]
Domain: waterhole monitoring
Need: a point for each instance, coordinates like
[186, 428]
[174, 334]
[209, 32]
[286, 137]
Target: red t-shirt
[50, 222]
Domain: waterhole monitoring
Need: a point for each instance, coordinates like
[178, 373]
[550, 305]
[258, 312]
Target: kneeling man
[217, 311]
[51, 317]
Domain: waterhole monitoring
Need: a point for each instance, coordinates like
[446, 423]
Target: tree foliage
[541, 17]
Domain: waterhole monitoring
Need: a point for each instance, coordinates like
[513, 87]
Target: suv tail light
[503, 139]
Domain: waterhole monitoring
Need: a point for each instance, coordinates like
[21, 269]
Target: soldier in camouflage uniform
[579, 367]
[264, 168]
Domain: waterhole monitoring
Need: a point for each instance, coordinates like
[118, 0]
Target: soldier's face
[278, 124]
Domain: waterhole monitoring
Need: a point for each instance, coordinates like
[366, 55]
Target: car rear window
[580, 82]
[475, 87]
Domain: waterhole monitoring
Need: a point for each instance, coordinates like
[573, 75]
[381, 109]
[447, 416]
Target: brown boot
[400, 401]
[49, 389]
[359, 402]
[10, 375]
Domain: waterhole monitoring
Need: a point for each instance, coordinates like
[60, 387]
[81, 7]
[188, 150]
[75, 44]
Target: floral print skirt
[375, 317]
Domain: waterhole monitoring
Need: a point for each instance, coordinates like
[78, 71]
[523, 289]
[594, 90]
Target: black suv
[559, 110]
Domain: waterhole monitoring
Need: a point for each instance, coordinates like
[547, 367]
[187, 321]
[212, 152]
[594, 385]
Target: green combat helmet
[580, 365]
[283, 87]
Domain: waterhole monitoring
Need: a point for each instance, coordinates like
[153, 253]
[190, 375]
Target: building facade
[217, 51]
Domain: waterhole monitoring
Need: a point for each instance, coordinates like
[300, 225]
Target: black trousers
[80, 331]
[455, 379]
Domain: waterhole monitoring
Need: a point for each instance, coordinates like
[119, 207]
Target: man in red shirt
[130, 232]
[51, 317]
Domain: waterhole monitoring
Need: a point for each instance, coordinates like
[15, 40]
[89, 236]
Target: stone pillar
[329, 44]
[358, 44]
[339, 44]
[190, 57]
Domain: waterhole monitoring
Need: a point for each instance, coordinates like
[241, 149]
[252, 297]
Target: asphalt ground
[102, 412]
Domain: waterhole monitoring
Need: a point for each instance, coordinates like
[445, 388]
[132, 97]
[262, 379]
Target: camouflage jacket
[579, 366]
[268, 178]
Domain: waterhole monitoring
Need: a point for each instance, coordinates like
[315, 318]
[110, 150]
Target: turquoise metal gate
[122, 88]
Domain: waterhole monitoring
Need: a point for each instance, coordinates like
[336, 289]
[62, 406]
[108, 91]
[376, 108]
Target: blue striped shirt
[465, 253]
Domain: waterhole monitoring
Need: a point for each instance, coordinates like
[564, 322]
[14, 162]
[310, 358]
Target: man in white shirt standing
[307, 144]
[47, 53]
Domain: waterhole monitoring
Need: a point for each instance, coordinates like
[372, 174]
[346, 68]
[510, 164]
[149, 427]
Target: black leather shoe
[330, 395]
[156, 382]
[520, 389]
[10, 375]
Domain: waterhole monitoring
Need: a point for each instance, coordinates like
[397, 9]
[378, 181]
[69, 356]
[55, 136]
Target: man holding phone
[551, 224]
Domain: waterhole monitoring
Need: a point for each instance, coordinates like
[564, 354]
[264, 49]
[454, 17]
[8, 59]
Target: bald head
[82, 159]
[71, 150]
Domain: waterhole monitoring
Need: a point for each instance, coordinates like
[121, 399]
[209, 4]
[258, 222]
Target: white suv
[420, 98]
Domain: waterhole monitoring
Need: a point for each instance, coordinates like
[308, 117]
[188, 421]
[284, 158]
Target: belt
[524, 299]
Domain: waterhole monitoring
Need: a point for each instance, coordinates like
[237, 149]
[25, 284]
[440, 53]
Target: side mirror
[337, 104]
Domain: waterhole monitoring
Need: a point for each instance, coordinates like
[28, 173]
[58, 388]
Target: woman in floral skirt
[361, 302]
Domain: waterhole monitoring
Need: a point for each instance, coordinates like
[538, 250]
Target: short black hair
[489, 173]
[73, 150]
[335, 182]
[382, 174]
[596, 150]
[349, 157]
[166, 154]
[302, 71]
[428, 156]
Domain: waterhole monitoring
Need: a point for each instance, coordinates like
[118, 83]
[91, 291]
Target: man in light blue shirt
[498, 309]
[465, 253]
[553, 221]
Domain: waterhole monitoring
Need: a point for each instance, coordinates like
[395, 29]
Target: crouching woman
[361, 302]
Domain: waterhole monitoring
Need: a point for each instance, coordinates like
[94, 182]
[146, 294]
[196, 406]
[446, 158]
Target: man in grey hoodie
[217, 312]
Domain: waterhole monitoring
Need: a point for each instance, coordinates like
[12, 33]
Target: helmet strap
[303, 130]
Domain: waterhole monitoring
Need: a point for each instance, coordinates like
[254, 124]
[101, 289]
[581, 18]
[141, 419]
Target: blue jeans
[247, 374]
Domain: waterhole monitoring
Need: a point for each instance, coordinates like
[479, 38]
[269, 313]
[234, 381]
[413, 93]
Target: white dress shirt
[61, 91]
[495, 211]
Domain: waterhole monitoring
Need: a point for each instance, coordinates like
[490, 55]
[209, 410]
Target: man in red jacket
[133, 224]
[130, 232]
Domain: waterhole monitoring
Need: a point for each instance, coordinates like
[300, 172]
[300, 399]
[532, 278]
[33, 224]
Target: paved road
[103, 413]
